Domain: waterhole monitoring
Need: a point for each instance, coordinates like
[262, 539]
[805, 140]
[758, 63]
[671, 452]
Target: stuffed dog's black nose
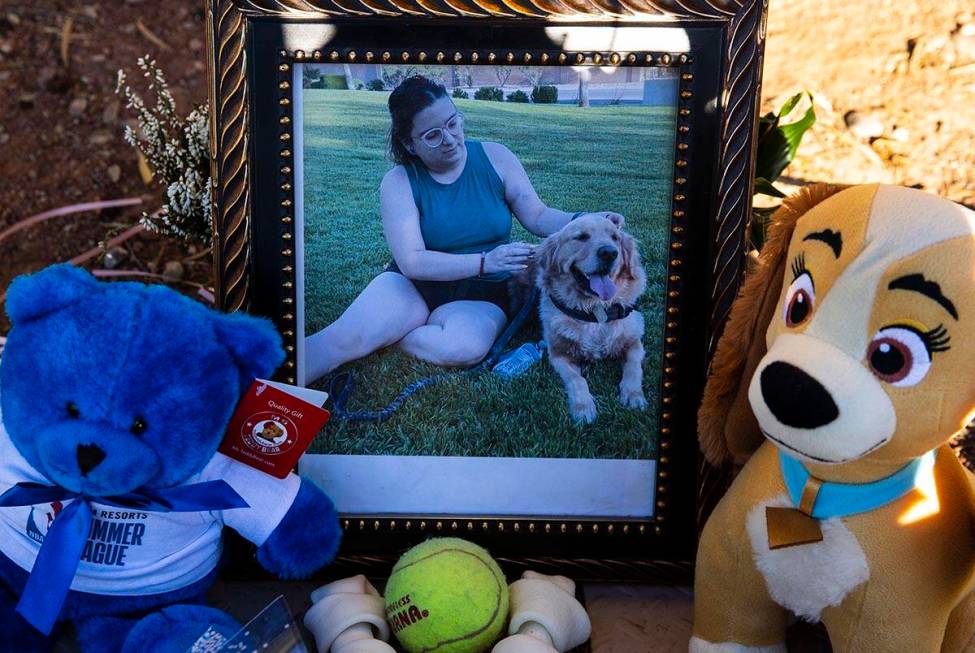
[795, 398]
[89, 457]
[607, 254]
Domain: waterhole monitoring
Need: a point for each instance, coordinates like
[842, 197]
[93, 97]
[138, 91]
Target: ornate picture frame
[714, 50]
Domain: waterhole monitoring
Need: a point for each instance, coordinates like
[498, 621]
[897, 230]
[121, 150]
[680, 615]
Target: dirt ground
[906, 68]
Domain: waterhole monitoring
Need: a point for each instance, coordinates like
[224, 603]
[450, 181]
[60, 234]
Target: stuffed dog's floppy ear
[727, 428]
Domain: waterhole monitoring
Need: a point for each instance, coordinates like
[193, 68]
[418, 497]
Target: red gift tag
[273, 426]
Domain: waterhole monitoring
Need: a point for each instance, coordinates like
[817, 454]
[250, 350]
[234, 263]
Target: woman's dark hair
[413, 95]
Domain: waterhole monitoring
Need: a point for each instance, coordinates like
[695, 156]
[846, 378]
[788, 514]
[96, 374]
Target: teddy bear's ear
[254, 344]
[727, 428]
[34, 295]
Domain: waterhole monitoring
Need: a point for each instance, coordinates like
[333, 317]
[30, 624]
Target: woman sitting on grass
[446, 209]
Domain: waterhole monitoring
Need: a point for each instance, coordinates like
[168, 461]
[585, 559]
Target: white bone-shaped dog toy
[348, 617]
[545, 616]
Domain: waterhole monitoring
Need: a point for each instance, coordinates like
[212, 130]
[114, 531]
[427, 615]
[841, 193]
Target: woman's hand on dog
[508, 258]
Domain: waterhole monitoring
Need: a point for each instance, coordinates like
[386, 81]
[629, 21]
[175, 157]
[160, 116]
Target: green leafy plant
[518, 96]
[545, 94]
[778, 143]
[492, 93]
[375, 85]
[460, 93]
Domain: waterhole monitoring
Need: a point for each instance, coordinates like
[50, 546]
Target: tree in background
[584, 75]
[533, 74]
[309, 75]
[503, 73]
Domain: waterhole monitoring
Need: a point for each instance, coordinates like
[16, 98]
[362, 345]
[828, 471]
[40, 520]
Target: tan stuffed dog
[845, 368]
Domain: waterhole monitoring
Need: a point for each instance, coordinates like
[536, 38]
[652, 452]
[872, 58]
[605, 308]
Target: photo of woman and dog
[447, 222]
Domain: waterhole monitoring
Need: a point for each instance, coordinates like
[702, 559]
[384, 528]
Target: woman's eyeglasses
[433, 138]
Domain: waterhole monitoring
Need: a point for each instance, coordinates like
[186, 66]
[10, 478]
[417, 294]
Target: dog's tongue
[603, 286]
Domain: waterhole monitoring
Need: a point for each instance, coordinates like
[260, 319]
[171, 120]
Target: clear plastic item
[273, 630]
[517, 361]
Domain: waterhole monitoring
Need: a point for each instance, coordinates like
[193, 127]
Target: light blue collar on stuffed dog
[843, 499]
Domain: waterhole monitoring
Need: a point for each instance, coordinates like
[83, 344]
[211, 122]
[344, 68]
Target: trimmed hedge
[545, 95]
[518, 96]
[461, 94]
[332, 82]
[375, 85]
[492, 93]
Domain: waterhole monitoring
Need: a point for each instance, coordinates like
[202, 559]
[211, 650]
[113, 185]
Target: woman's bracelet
[480, 271]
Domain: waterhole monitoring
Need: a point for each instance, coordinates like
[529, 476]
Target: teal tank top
[467, 215]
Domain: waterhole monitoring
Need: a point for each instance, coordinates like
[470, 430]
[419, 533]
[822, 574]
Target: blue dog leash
[57, 561]
[341, 386]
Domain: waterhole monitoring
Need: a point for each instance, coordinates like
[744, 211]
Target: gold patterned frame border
[743, 24]
[286, 317]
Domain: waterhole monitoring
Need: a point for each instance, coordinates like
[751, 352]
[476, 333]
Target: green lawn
[601, 158]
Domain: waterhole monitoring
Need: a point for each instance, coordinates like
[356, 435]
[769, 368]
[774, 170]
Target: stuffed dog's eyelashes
[801, 296]
[799, 266]
[901, 354]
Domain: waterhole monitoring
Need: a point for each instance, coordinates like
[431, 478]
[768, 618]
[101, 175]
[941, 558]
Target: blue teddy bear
[115, 397]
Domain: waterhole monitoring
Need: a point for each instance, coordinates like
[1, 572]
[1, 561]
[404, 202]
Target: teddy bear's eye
[72, 410]
[139, 426]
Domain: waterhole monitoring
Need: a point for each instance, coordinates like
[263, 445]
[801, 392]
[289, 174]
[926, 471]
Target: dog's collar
[609, 313]
[844, 499]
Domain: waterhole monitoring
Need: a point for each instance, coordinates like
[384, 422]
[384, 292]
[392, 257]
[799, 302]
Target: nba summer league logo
[110, 537]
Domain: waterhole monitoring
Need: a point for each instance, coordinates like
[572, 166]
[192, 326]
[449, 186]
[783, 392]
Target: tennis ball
[446, 596]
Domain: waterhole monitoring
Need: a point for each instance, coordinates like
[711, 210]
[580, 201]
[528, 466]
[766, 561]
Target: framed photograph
[504, 238]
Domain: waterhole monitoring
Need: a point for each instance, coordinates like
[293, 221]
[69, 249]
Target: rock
[889, 150]
[26, 100]
[13, 19]
[173, 270]
[863, 126]
[114, 173]
[964, 41]
[931, 52]
[100, 138]
[77, 106]
[114, 257]
[110, 113]
[45, 75]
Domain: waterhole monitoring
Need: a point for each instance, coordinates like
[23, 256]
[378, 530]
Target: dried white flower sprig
[176, 150]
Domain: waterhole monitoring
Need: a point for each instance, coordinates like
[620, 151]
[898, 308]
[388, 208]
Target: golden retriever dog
[589, 276]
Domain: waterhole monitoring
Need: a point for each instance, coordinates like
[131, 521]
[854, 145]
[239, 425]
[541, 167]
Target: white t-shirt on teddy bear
[134, 552]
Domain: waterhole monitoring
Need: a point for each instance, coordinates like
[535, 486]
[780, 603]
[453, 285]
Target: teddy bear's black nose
[795, 398]
[89, 456]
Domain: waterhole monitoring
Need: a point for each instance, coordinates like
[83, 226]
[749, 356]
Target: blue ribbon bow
[57, 561]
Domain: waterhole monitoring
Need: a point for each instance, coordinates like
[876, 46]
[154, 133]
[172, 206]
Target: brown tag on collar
[790, 527]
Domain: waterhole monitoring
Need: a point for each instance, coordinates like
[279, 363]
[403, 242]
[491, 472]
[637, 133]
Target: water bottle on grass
[519, 360]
